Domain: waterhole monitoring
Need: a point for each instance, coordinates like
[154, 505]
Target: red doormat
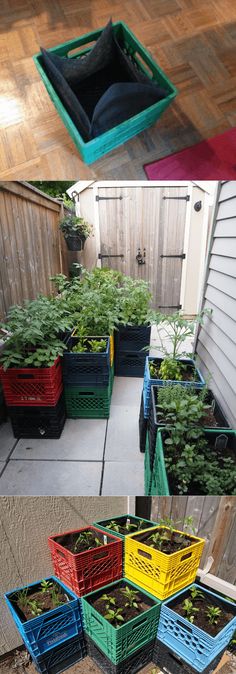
[212, 159]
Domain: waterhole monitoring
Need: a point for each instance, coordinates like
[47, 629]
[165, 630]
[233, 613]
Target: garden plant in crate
[162, 560]
[122, 89]
[31, 367]
[120, 619]
[197, 624]
[86, 559]
[171, 404]
[133, 331]
[48, 617]
[123, 525]
[177, 365]
[192, 460]
[75, 231]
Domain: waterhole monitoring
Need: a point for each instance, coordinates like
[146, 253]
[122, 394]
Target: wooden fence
[31, 246]
[214, 519]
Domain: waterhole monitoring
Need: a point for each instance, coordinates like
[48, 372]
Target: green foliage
[181, 405]
[131, 596]
[87, 537]
[72, 224]
[189, 609]
[114, 615]
[134, 302]
[46, 585]
[213, 613]
[32, 333]
[34, 607]
[111, 601]
[177, 329]
[171, 369]
[196, 594]
[90, 345]
[55, 188]
[113, 526]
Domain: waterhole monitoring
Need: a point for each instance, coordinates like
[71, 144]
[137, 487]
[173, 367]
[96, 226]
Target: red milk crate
[86, 571]
[33, 386]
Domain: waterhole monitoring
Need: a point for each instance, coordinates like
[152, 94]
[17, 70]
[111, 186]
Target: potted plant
[132, 336]
[177, 366]
[206, 622]
[75, 231]
[31, 367]
[114, 613]
[172, 404]
[86, 559]
[194, 461]
[123, 525]
[170, 559]
[46, 613]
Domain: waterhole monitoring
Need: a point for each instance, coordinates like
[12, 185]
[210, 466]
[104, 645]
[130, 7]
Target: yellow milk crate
[156, 572]
[112, 348]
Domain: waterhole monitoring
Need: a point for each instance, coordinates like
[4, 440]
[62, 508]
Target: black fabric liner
[106, 64]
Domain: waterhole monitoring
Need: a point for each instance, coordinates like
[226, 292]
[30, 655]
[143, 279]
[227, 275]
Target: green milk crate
[133, 518]
[118, 643]
[93, 149]
[86, 402]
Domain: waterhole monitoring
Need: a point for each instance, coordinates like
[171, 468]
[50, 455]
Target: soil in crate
[188, 372]
[202, 604]
[80, 542]
[31, 603]
[121, 525]
[165, 541]
[126, 611]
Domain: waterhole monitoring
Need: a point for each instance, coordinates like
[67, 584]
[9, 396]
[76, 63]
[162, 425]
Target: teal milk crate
[121, 519]
[93, 149]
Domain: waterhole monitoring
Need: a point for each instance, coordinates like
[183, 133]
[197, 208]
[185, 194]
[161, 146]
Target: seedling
[46, 585]
[189, 609]
[111, 601]
[86, 537]
[114, 615]
[114, 526]
[22, 597]
[34, 607]
[159, 538]
[171, 369]
[213, 613]
[54, 594]
[196, 594]
[131, 596]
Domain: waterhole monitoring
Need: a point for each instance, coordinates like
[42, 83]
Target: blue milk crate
[169, 662]
[86, 368]
[199, 382]
[195, 646]
[61, 657]
[51, 628]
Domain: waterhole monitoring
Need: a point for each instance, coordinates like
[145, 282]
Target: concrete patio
[92, 457]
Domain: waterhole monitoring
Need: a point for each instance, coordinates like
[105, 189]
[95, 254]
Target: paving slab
[7, 440]
[127, 391]
[123, 477]
[81, 440]
[122, 442]
[45, 478]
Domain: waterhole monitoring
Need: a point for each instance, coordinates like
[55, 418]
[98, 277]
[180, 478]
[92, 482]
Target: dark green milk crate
[89, 402]
[93, 149]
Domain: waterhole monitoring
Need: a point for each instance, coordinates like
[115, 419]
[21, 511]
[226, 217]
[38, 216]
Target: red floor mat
[212, 159]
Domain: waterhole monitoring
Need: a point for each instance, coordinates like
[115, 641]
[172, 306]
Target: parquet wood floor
[194, 41]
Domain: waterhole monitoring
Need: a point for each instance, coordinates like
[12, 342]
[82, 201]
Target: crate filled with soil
[46, 613]
[87, 361]
[162, 560]
[123, 525]
[212, 471]
[86, 559]
[113, 613]
[189, 375]
[197, 624]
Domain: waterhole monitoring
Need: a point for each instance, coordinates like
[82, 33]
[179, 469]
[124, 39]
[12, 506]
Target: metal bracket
[186, 198]
[98, 198]
[182, 256]
[100, 256]
[170, 306]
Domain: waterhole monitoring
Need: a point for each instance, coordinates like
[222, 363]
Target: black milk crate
[61, 657]
[38, 422]
[143, 424]
[130, 665]
[170, 663]
[3, 409]
[86, 368]
[130, 364]
[154, 423]
[132, 338]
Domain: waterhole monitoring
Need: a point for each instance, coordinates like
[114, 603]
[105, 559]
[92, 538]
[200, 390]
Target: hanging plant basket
[75, 242]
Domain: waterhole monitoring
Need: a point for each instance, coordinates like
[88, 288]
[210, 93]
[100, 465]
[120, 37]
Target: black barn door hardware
[141, 257]
[98, 198]
[186, 198]
[101, 256]
[182, 256]
[170, 306]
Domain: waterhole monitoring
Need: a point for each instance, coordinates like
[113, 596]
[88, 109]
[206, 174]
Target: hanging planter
[75, 230]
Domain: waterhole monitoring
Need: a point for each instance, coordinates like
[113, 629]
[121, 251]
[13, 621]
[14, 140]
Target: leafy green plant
[114, 615]
[86, 537]
[177, 329]
[196, 594]
[46, 585]
[171, 369]
[111, 601]
[134, 302]
[181, 405]
[159, 538]
[34, 607]
[131, 597]
[114, 526]
[72, 225]
[55, 596]
[22, 596]
[213, 614]
[189, 609]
